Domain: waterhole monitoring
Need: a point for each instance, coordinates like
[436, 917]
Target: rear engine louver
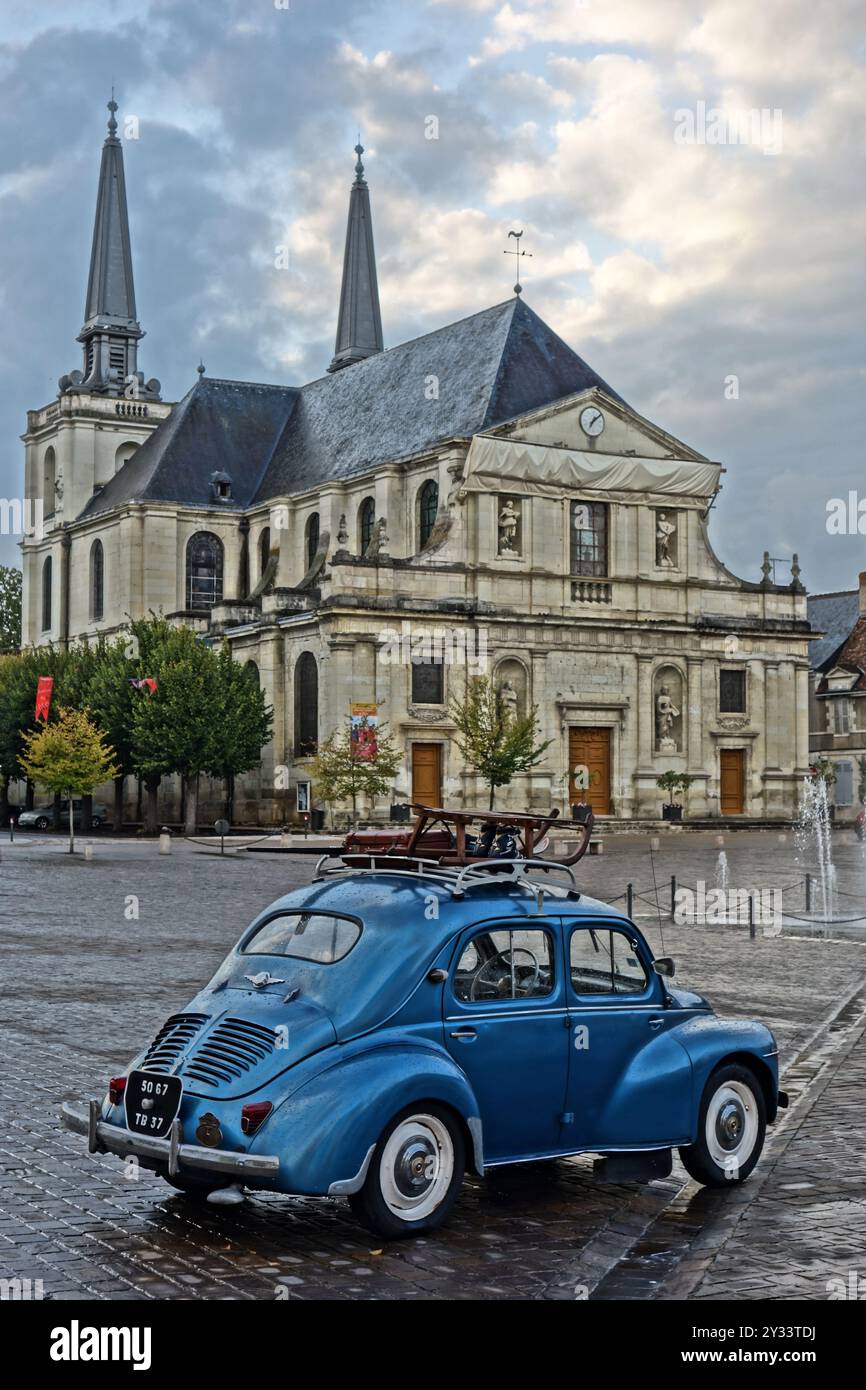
[171, 1040]
[235, 1046]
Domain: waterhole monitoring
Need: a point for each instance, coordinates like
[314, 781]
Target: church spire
[111, 329]
[359, 327]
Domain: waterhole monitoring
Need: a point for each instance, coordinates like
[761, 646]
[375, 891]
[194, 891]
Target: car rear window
[305, 936]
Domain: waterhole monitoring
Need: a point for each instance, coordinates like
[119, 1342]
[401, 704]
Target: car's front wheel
[415, 1174]
[732, 1123]
[41, 823]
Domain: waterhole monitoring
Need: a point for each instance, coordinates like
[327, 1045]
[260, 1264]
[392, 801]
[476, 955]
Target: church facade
[475, 501]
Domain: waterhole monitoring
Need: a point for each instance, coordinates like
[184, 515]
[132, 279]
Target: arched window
[252, 671]
[428, 506]
[204, 570]
[97, 581]
[306, 705]
[123, 453]
[312, 538]
[46, 595]
[366, 522]
[264, 550]
[49, 478]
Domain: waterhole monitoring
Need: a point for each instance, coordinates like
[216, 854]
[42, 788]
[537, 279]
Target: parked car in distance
[380, 1031]
[42, 817]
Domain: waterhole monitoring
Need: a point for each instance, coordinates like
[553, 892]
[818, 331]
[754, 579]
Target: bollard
[751, 917]
[629, 900]
[165, 840]
[808, 892]
[285, 838]
[654, 842]
[720, 842]
[88, 850]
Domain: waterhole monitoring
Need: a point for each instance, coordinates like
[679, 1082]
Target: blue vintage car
[378, 1032]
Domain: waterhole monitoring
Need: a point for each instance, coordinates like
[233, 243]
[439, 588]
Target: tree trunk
[29, 797]
[492, 795]
[55, 811]
[71, 825]
[119, 783]
[87, 812]
[151, 812]
[191, 817]
[230, 798]
[4, 798]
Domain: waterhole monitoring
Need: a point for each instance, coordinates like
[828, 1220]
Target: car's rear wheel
[732, 1122]
[96, 823]
[415, 1174]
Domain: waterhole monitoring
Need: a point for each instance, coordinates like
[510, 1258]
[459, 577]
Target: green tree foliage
[69, 756]
[244, 726]
[10, 609]
[342, 773]
[495, 743]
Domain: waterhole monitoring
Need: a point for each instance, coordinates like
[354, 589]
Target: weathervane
[517, 253]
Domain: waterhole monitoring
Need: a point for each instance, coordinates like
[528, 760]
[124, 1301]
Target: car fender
[711, 1041]
[325, 1131]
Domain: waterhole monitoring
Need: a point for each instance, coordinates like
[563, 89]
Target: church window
[428, 506]
[312, 538]
[589, 538]
[306, 705]
[46, 594]
[204, 570]
[49, 477]
[252, 671]
[732, 692]
[97, 581]
[428, 685]
[264, 550]
[366, 522]
[843, 791]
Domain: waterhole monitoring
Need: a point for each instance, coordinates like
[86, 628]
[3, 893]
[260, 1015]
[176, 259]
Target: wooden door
[427, 773]
[589, 749]
[732, 781]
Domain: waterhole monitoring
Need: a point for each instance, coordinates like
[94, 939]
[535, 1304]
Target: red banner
[43, 697]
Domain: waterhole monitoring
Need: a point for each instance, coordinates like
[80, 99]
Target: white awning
[541, 470]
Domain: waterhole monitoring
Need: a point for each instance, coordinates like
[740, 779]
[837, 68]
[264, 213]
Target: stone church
[477, 500]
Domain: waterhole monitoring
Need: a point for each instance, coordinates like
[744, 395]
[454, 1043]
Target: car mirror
[665, 966]
[437, 976]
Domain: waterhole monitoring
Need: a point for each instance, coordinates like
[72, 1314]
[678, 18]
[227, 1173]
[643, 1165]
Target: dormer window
[221, 485]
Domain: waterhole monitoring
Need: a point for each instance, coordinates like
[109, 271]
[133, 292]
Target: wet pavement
[96, 954]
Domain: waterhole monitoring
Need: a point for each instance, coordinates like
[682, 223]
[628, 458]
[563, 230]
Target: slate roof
[835, 616]
[279, 440]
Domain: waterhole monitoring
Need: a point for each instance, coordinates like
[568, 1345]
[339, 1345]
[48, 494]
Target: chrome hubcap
[416, 1167]
[730, 1124]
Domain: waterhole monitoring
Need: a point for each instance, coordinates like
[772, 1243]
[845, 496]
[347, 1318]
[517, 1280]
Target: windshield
[315, 936]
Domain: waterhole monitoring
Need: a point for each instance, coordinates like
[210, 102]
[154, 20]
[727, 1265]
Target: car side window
[505, 963]
[604, 961]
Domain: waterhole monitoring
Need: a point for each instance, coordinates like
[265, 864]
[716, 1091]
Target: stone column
[645, 714]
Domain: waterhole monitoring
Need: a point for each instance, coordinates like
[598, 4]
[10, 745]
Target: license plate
[151, 1102]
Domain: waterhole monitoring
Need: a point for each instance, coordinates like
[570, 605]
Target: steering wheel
[524, 986]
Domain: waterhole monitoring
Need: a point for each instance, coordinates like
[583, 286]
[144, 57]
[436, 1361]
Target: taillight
[253, 1116]
[116, 1088]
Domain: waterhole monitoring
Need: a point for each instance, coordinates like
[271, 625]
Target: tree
[345, 767]
[494, 742]
[70, 756]
[110, 696]
[244, 724]
[19, 675]
[10, 609]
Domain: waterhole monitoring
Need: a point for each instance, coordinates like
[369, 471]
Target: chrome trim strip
[346, 1186]
[576, 1153]
[112, 1139]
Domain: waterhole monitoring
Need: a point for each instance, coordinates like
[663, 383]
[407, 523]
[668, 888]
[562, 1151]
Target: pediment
[625, 431]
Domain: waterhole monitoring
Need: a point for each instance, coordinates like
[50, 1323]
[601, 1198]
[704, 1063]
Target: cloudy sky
[672, 264]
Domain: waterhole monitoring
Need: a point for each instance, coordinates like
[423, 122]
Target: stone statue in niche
[666, 540]
[666, 717]
[509, 521]
[508, 701]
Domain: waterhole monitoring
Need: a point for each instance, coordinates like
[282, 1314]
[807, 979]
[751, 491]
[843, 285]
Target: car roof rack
[485, 873]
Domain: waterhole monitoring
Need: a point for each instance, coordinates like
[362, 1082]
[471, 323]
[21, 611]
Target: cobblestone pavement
[85, 981]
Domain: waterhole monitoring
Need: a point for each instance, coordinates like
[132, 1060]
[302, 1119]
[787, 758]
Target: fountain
[814, 834]
[722, 875]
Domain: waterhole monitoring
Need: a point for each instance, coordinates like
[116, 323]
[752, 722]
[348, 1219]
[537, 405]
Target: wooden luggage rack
[439, 836]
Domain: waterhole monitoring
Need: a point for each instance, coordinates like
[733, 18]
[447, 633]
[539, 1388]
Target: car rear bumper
[177, 1157]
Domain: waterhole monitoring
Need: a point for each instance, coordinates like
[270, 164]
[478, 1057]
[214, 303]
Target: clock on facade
[592, 421]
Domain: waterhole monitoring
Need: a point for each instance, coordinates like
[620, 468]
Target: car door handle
[464, 1034]
[656, 1022]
